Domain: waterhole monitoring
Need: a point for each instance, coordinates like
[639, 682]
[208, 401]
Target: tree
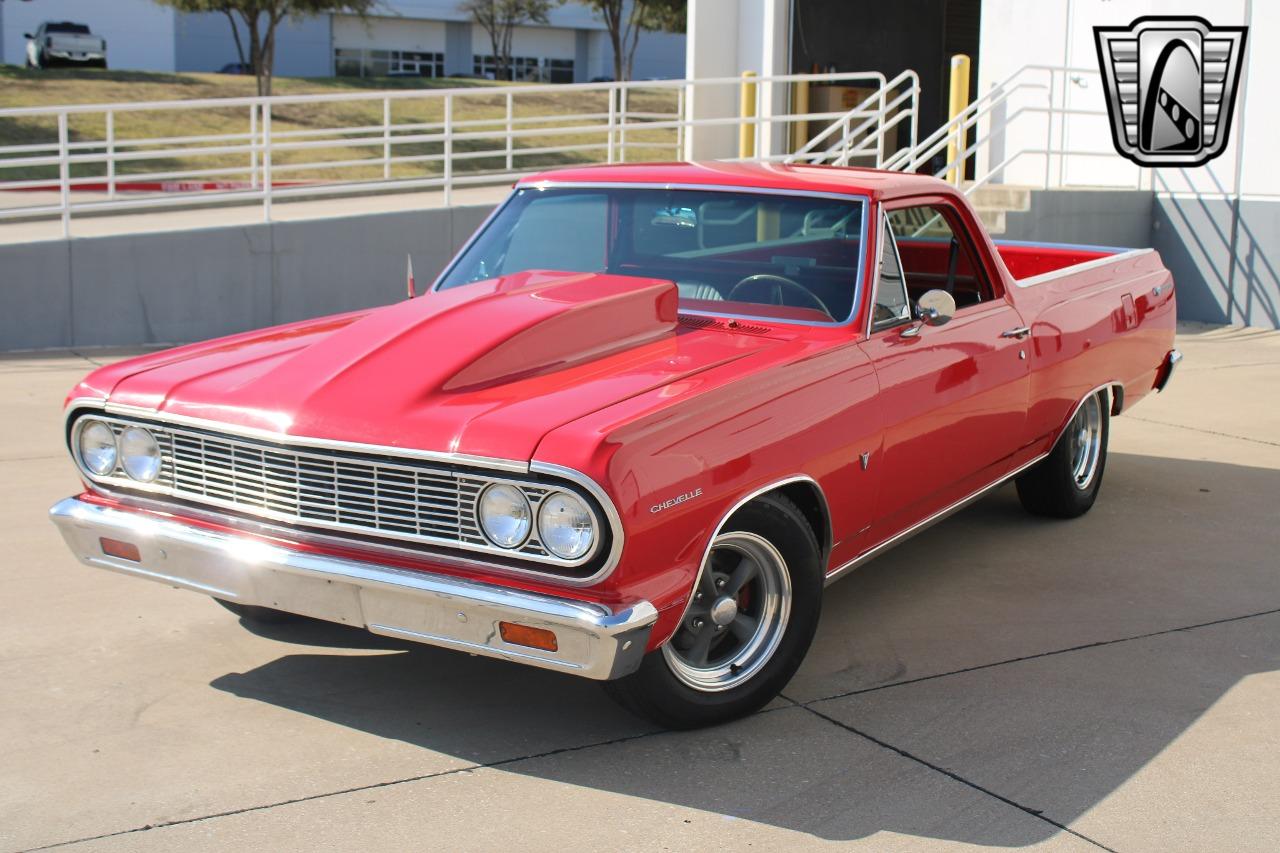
[499, 18]
[625, 19]
[261, 19]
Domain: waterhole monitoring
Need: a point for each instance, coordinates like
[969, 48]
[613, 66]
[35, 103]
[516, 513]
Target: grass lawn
[25, 88]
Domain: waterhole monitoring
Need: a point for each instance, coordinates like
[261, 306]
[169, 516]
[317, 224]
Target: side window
[891, 307]
[937, 254]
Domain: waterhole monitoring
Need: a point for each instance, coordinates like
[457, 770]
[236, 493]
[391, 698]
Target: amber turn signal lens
[123, 550]
[523, 635]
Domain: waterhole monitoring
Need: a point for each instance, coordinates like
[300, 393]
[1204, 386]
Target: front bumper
[592, 640]
[76, 55]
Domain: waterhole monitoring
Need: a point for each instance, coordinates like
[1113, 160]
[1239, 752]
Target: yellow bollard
[958, 102]
[747, 110]
[800, 130]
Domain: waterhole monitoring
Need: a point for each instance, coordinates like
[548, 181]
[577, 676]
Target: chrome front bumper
[593, 641]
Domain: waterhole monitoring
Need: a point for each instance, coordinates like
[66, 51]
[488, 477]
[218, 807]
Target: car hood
[487, 369]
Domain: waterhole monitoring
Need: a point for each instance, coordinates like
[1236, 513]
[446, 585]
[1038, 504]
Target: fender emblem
[678, 499]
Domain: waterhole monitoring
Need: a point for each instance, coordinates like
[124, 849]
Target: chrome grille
[392, 497]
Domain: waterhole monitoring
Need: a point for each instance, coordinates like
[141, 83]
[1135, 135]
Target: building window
[357, 62]
[528, 69]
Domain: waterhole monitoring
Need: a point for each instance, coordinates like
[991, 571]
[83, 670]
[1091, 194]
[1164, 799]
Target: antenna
[409, 283]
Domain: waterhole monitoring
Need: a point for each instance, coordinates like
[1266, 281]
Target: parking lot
[1001, 681]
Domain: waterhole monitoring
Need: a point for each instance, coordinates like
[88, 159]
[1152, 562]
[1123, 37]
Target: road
[1000, 681]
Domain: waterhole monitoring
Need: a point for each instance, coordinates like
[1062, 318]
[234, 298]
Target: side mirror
[936, 307]
[27, 36]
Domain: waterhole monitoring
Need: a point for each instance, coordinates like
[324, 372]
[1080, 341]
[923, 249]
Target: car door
[953, 397]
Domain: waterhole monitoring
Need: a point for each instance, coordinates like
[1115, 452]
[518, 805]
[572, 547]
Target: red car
[634, 428]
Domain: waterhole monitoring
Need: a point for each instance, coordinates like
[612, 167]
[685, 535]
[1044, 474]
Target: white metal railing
[260, 151]
[1026, 116]
[894, 103]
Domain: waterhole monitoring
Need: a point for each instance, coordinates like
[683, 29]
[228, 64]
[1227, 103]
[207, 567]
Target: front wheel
[1065, 484]
[747, 628]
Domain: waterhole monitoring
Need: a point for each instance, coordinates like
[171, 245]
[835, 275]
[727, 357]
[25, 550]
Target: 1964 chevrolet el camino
[633, 429]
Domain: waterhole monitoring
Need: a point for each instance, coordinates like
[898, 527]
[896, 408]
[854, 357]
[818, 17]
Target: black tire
[1053, 488]
[656, 693]
[261, 615]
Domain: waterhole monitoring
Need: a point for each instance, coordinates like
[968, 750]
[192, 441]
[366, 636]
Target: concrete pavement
[1000, 681]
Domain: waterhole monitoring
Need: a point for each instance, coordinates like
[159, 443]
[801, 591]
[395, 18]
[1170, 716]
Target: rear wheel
[261, 615]
[1066, 483]
[748, 626]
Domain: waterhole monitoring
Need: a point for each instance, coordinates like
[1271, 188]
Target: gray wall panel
[1101, 217]
[1225, 265]
[191, 285]
[326, 266]
[169, 287]
[183, 286]
[1193, 237]
[1257, 264]
[35, 295]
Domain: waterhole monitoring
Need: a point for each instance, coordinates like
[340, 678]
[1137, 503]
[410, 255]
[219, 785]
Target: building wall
[142, 35]
[725, 38]
[181, 286]
[203, 42]
[139, 34]
[543, 42]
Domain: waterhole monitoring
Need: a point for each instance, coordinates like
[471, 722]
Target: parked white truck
[65, 42]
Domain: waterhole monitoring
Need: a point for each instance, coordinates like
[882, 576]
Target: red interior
[926, 262]
[1028, 261]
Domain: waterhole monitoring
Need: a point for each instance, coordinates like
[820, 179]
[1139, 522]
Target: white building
[1217, 226]
[427, 37]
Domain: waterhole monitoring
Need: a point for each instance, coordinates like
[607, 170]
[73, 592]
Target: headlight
[98, 447]
[504, 515]
[140, 454]
[566, 526]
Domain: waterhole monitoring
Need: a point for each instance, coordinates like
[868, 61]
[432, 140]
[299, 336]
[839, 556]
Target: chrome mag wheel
[1085, 437]
[737, 617]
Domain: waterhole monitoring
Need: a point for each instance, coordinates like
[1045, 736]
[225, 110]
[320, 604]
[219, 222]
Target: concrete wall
[191, 285]
[1223, 252]
[1225, 256]
[1092, 217]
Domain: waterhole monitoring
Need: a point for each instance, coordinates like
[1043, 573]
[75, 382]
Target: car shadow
[1026, 657]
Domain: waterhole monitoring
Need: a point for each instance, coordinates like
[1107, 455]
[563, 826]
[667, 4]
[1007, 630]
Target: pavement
[1000, 681]
[152, 220]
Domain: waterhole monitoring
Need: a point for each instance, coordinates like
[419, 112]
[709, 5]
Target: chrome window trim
[85, 407]
[886, 230]
[862, 198]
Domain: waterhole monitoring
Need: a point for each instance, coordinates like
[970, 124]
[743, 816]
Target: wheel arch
[803, 491]
[1115, 396]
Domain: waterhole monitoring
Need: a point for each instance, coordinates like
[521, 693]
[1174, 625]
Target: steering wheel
[779, 283]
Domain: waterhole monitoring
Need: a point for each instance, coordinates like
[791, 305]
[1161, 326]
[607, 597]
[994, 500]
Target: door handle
[1020, 332]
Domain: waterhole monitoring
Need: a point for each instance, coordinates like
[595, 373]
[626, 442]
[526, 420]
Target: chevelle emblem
[678, 499]
[1170, 84]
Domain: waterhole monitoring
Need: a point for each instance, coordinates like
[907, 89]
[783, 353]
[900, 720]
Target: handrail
[446, 137]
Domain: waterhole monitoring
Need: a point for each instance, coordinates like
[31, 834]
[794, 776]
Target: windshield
[74, 29]
[741, 254]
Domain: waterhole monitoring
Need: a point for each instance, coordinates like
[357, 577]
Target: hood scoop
[554, 321]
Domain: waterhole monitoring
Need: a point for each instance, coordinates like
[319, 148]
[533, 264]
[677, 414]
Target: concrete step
[1001, 197]
[993, 220]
